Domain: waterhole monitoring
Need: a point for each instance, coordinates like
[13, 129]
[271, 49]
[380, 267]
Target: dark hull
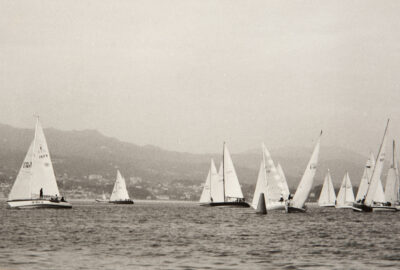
[122, 202]
[358, 207]
[226, 204]
[291, 209]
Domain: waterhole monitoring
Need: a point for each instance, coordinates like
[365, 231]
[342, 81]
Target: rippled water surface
[186, 236]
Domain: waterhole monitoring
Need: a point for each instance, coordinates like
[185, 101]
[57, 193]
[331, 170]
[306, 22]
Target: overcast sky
[186, 75]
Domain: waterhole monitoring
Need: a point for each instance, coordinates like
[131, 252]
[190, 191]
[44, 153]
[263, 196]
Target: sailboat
[120, 194]
[297, 203]
[228, 192]
[363, 187]
[327, 198]
[392, 193]
[36, 185]
[345, 198]
[285, 186]
[271, 183]
[103, 198]
[369, 201]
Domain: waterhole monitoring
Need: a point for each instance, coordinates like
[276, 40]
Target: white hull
[327, 205]
[383, 208]
[101, 201]
[40, 203]
[275, 206]
[344, 206]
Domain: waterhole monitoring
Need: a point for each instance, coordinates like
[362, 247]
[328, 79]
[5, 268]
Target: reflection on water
[186, 236]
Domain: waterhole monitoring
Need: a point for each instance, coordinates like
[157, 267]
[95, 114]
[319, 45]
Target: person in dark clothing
[41, 193]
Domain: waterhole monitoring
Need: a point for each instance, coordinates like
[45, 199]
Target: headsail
[212, 191]
[369, 167]
[306, 182]
[119, 192]
[345, 196]
[327, 196]
[285, 187]
[21, 188]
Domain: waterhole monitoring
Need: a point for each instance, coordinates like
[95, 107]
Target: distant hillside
[81, 153]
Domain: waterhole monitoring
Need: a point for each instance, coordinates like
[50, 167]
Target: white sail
[231, 181]
[42, 169]
[376, 174]
[261, 185]
[119, 193]
[206, 194]
[306, 182]
[345, 196]
[369, 167]
[104, 197]
[276, 189]
[217, 184]
[212, 191]
[22, 185]
[327, 196]
[36, 172]
[379, 193]
[392, 181]
[285, 187]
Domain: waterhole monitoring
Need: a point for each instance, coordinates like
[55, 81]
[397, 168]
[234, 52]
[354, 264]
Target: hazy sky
[186, 75]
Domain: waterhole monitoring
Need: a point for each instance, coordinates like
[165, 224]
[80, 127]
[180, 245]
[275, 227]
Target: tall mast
[33, 152]
[223, 169]
[211, 177]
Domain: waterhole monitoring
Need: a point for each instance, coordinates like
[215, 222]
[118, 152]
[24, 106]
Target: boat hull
[275, 206]
[383, 209]
[226, 204]
[122, 202]
[344, 207]
[39, 203]
[357, 207]
[101, 201]
[291, 209]
[326, 205]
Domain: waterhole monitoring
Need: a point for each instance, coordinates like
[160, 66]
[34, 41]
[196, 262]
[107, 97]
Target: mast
[223, 170]
[377, 157]
[210, 179]
[33, 151]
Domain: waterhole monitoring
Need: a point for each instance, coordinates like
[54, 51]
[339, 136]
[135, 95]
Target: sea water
[187, 236]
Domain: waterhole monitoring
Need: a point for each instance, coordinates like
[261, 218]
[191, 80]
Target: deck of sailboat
[122, 202]
[37, 203]
[225, 204]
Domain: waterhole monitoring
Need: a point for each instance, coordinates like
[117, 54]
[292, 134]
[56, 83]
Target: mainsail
[345, 196]
[375, 180]
[231, 181]
[119, 193]
[36, 174]
[369, 167]
[327, 196]
[306, 182]
[392, 181]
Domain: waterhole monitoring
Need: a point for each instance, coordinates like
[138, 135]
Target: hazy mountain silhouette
[81, 153]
